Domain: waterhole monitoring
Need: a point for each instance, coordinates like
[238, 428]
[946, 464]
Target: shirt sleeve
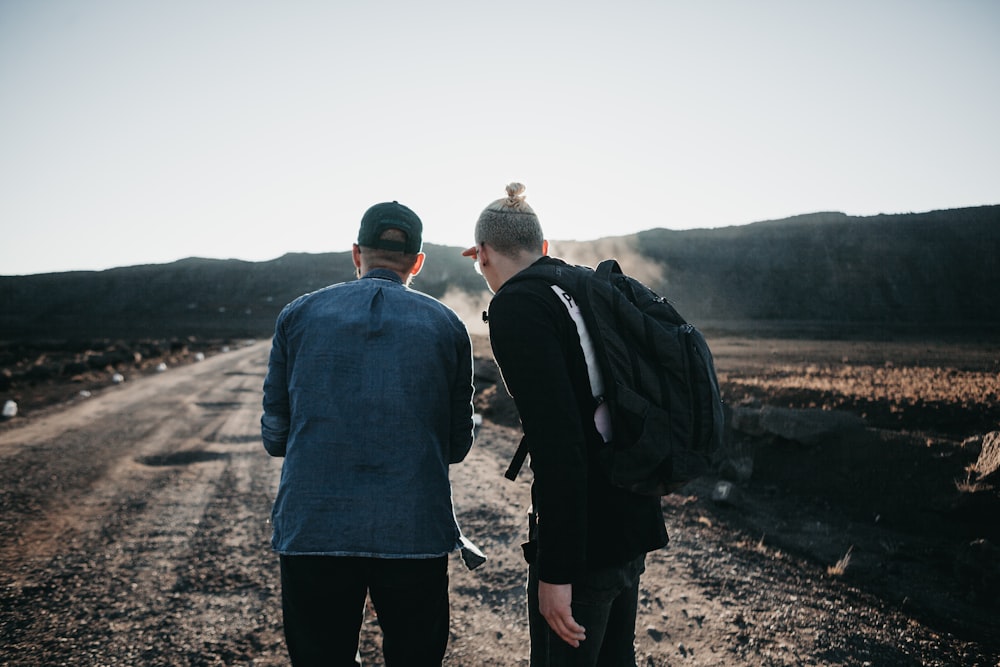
[276, 418]
[529, 345]
[461, 400]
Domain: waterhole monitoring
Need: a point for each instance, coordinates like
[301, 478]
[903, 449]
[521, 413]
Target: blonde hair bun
[516, 191]
[515, 197]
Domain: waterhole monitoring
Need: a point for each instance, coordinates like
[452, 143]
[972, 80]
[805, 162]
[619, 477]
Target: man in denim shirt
[368, 397]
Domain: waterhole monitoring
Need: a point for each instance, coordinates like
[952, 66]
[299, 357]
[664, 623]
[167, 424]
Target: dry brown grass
[839, 568]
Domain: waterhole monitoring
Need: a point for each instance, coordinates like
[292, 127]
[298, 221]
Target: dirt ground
[135, 517]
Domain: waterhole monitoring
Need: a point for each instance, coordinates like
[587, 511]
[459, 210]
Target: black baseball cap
[391, 215]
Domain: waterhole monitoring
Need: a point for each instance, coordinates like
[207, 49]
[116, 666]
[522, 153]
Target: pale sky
[139, 132]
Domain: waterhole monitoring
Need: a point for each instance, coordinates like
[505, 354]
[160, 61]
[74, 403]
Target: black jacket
[583, 522]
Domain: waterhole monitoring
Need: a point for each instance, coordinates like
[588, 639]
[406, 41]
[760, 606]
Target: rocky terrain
[858, 527]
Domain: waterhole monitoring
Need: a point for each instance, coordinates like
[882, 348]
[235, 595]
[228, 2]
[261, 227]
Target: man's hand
[554, 603]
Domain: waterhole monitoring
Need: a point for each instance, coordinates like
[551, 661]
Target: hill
[938, 268]
[816, 272]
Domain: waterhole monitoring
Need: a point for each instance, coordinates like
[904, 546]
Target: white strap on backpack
[602, 417]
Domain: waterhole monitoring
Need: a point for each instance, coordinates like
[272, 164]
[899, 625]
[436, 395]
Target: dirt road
[138, 525]
[136, 531]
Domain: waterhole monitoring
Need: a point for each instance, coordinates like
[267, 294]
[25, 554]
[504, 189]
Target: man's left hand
[555, 605]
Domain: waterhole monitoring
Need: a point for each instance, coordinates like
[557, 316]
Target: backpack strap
[518, 460]
[602, 419]
[602, 416]
[589, 355]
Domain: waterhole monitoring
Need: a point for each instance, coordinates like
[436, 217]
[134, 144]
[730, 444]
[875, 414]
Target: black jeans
[323, 600]
[604, 603]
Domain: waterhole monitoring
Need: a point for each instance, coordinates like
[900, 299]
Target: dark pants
[323, 603]
[605, 604]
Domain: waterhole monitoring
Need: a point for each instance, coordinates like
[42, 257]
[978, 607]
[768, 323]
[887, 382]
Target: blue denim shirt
[368, 397]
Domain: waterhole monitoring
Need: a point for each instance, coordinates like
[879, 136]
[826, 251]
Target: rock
[808, 427]
[9, 410]
[723, 493]
[987, 466]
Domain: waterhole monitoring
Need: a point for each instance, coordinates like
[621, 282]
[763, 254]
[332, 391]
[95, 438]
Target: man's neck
[508, 267]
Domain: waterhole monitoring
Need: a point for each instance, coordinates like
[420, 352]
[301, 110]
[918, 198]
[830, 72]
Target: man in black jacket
[587, 538]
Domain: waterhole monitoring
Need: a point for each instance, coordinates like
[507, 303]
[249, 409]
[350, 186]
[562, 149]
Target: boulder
[808, 427]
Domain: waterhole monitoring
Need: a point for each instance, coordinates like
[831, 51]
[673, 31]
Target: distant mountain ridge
[935, 269]
[940, 267]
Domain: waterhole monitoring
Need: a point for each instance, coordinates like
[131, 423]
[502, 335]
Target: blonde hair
[509, 225]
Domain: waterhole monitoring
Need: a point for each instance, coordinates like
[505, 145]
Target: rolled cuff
[274, 432]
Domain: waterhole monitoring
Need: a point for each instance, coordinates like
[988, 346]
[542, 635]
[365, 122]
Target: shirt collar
[384, 274]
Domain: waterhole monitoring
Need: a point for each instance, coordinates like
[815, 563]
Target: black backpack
[660, 386]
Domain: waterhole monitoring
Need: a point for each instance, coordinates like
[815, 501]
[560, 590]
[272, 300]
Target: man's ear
[418, 264]
[356, 254]
[545, 247]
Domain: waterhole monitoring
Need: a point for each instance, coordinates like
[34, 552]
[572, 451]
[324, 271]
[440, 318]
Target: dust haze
[592, 253]
[470, 307]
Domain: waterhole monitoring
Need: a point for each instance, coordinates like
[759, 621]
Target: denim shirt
[368, 397]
